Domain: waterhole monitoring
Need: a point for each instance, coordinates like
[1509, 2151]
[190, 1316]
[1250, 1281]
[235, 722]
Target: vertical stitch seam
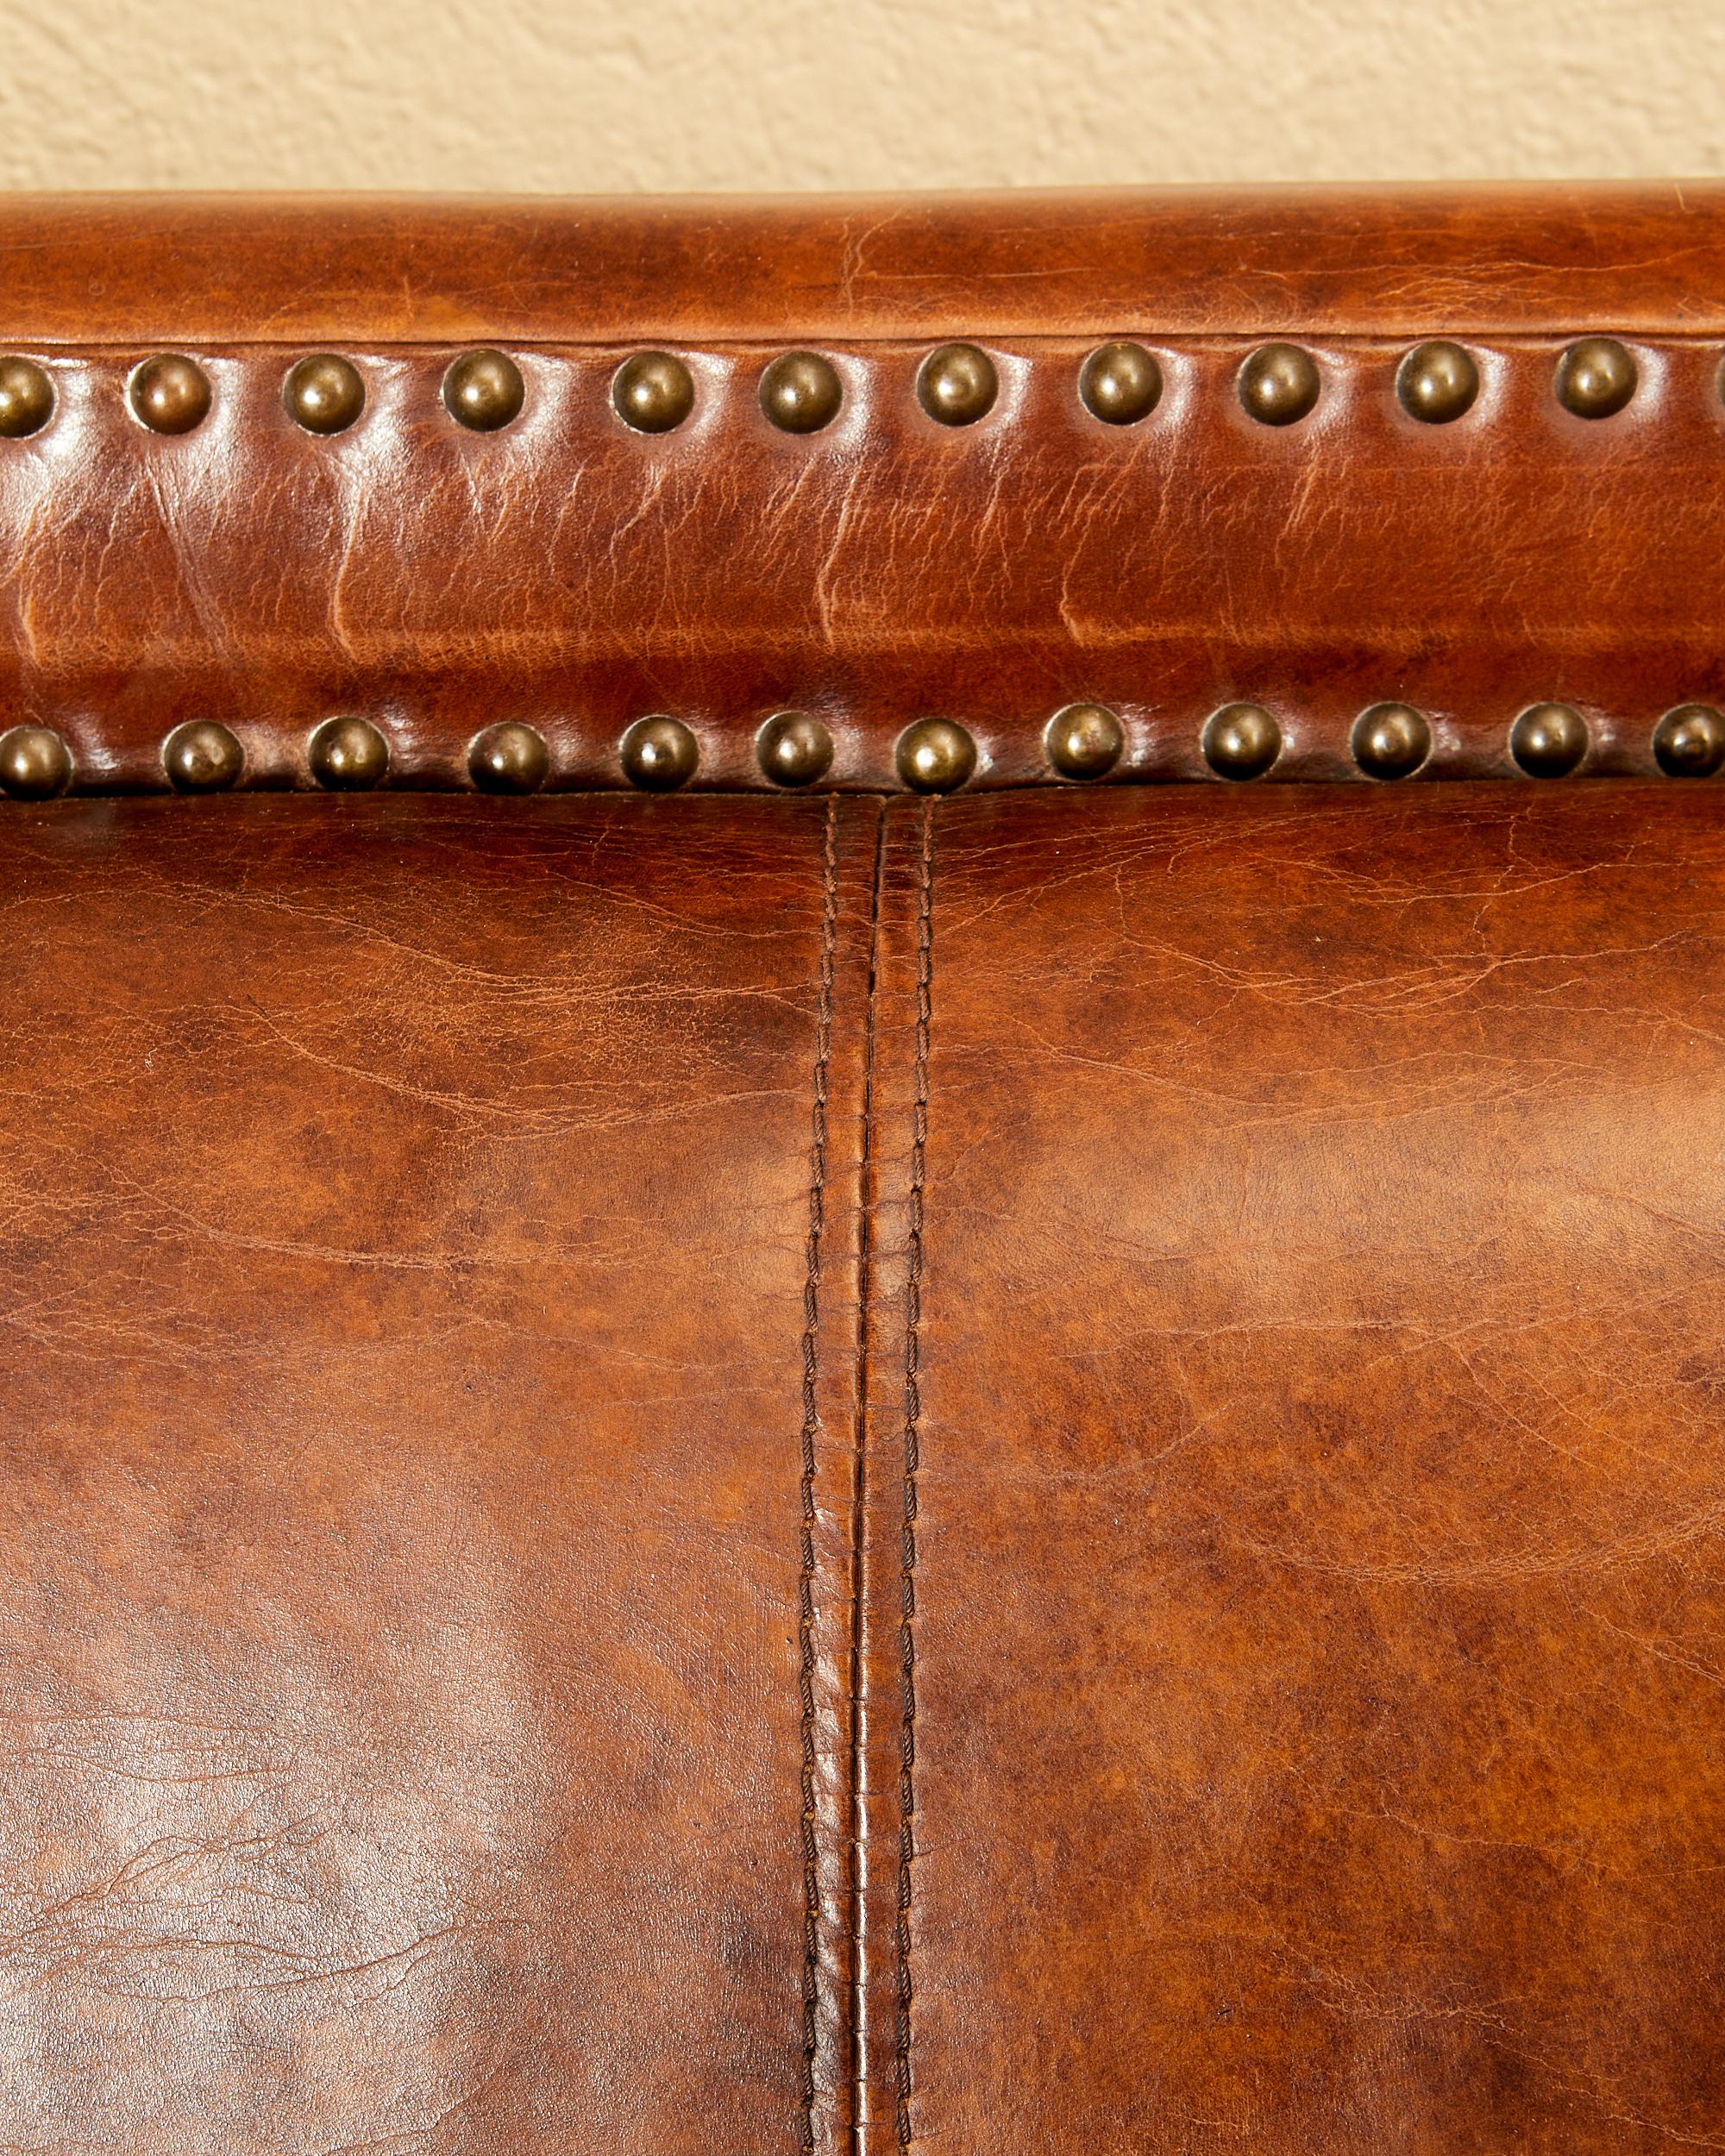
[859, 1507]
[811, 1430]
[913, 1260]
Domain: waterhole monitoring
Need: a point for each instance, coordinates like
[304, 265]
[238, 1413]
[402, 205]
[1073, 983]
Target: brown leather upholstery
[571, 573]
[1035, 1472]
[408, 1276]
[1189, 261]
[1319, 1584]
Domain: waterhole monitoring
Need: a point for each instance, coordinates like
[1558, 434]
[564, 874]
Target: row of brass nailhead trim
[801, 392]
[933, 755]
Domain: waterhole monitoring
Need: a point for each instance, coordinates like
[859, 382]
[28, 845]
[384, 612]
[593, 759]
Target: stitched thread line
[925, 1005]
[860, 1494]
[817, 1224]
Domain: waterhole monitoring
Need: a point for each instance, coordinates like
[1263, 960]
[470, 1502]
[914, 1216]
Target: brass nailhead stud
[1690, 742]
[509, 758]
[1596, 377]
[348, 754]
[794, 749]
[26, 398]
[1437, 382]
[1084, 740]
[1548, 740]
[957, 385]
[325, 393]
[653, 391]
[1391, 740]
[1241, 741]
[936, 755]
[201, 756]
[1120, 384]
[170, 394]
[659, 754]
[483, 389]
[35, 764]
[801, 392]
[1279, 383]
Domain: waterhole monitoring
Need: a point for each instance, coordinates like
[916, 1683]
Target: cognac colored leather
[571, 573]
[1038, 1471]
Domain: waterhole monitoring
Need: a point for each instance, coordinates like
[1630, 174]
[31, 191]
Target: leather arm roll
[574, 469]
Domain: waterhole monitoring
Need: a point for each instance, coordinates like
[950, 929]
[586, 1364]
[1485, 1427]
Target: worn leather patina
[793, 1468]
[566, 569]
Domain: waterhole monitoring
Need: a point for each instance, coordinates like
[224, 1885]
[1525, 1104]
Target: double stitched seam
[925, 1005]
[817, 1224]
[859, 1499]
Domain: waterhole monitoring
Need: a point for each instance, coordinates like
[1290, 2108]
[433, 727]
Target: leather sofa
[863, 1223]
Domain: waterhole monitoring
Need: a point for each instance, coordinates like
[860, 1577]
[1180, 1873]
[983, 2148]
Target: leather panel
[430, 1406]
[1318, 1591]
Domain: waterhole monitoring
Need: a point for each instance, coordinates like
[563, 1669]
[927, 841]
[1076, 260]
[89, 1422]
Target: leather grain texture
[572, 572]
[1074, 262]
[416, 1729]
[1318, 1448]
[1039, 1473]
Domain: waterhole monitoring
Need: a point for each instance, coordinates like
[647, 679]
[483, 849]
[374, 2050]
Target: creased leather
[1320, 1592]
[1643, 256]
[570, 573]
[1040, 1472]
[405, 1286]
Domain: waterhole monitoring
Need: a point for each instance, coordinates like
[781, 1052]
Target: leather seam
[859, 1498]
[913, 1253]
[811, 1430]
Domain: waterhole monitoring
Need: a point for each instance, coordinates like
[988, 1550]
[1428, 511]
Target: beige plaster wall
[580, 95]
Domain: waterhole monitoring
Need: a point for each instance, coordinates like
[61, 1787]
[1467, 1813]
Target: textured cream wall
[608, 95]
